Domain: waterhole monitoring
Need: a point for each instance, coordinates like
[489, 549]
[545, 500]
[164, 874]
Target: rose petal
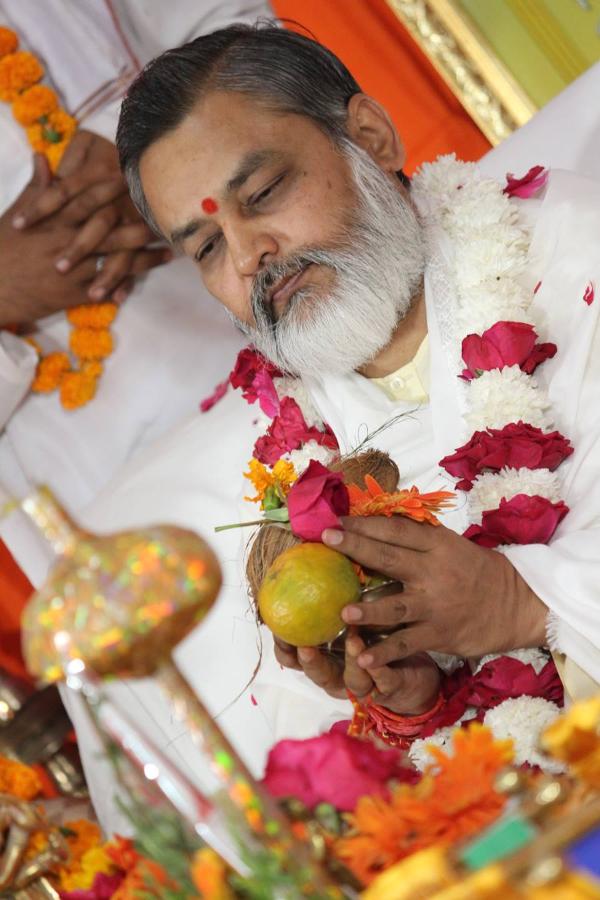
[589, 293]
[527, 186]
[218, 393]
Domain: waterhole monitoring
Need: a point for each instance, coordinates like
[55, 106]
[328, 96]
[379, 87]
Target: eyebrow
[250, 164]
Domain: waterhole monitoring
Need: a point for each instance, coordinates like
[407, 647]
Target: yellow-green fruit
[304, 592]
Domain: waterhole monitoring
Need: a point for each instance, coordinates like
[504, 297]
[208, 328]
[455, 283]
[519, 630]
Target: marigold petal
[91, 343]
[92, 315]
[8, 41]
[34, 103]
[49, 373]
[18, 71]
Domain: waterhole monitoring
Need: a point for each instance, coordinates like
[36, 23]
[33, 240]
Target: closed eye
[262, 195]
[207, 248]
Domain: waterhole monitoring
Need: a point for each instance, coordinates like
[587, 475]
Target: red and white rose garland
[507, 467]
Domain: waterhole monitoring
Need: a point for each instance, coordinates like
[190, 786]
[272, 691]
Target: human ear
[370, 126]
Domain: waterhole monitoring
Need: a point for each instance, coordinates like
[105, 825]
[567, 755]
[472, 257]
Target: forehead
[197, 159]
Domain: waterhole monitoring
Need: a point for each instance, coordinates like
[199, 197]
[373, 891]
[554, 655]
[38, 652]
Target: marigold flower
[60, 126]
[8, 41]
[374, 501]
[282, 476]
[91, 343]
[18, 71]
[122, 853]
[77, 389]
[455, 799]
[82, 870]
[34, 103]
[50, 372]
[54, 154]
[35, 136]
[209, 875]
[19, 780]
[92, 315]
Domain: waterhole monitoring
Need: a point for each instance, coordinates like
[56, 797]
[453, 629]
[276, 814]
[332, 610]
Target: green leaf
[278, 515]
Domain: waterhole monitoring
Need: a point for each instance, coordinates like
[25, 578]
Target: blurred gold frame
[467, 63]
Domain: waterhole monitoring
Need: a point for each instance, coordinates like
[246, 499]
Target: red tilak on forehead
[209, 205]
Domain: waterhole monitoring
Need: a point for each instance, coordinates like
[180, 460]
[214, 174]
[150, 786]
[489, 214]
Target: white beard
[378, 269]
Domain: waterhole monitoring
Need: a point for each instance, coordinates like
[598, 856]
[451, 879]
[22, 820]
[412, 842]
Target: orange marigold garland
[90, 342]
[35, 106]
[49, 130]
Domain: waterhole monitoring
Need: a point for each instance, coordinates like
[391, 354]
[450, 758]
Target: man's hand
[458, 598]
[90, 164]
[31, 286]
[408, 687]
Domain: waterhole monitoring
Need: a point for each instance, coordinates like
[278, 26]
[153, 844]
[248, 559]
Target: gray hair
[284, 71]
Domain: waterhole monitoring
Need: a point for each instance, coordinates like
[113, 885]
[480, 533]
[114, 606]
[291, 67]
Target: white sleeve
[18, 361]
[153, 28]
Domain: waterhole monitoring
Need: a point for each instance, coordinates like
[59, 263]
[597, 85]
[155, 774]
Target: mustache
[268, 277]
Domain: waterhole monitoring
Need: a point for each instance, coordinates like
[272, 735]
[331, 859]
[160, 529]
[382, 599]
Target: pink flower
[518, 446]
[333, 768]
[527, 186]
[248, 365]
[268, 398]
[103, 888]
[589, 293]
[316, 501]
[520, 520]
[288, 431]
[504, 344]
[218, 393]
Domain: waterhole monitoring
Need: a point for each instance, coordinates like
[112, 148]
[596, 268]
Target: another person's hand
[31, 286]
[458, 598]
[409, 687]
[89, 192]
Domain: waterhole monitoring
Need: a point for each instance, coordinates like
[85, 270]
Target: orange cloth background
[15, 590]
[389, 66]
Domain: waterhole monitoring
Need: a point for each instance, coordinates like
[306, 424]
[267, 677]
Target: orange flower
[281, 477]
[50, 372]
[77, 389]
[455, 799]
[19, 780]
[18, 71]
[92, 315]
[374, 501]
[8, 41]
[91, 343]
[34, 103]
[37, 141]
[147, 879]
[55, 153]
[122, 853]
[209, 875]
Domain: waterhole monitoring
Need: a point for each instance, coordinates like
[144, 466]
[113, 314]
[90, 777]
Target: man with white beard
[256, 152]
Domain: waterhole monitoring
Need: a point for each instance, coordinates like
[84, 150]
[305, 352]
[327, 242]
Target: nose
[251, 249]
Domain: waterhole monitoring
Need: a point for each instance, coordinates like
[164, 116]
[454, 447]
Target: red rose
[248, 364]
[316, 501]
[333, 768]
[288, 431]
[520, 520]
[504, 344]
[527, 186]
[518, 446]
